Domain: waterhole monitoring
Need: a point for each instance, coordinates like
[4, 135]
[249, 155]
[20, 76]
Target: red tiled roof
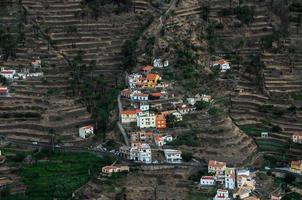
[158, 138]
[87, 127]
[221, 62]
[131, 112]
[147, 68]
[3, 89]
[207, 177]
[156, 94]
[140, 95]
[151, 77]
[214, 163]
[160, 117]
[7, 72]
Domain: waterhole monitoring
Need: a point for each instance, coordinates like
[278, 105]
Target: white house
[207, 181]
[7, 73]
[132, 79]
[146, 120]
[191, 101]
[206, 98]
[158, 63]
[36, 63]
[141, 152]
[216, 167]
[264, 134]
[4, 92]
[172, 156]
[144, 106]
[178, 116]
[86, 131]
[139, 96]
[230, 178]
[243, 172]
[128, 116]
[222, 64]
[222, 195]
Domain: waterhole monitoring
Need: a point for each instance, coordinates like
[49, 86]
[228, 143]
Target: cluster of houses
[146, 116]
[11, 74]
[140, 150]
[240, 182]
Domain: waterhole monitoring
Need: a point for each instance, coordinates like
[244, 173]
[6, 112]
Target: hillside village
[176, 99]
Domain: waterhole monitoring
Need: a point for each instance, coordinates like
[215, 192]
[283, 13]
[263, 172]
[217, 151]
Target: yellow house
[296, 166]
[151, 80]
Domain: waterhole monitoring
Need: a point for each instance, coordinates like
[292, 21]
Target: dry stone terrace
[100, 40]
[40, 104]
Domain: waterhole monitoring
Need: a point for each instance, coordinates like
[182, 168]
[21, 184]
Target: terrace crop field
[271, 146]
[58, 175]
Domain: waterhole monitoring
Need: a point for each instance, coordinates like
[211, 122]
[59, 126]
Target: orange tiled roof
[160, 117]
[156, 94]
[151, 77]
[149, 133]
[131, 112]
[158, 138]
[147, 68]
[88, 127]
[214, 163]
[221, 62]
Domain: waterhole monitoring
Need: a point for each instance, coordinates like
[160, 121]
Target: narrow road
[124, 134]
[100, 153]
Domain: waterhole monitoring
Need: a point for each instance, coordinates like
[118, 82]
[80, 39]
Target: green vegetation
[59, 176]
[267, 145]
[187, 156]
[245, 14]
[200, 105]
[99, 7]
[297, 96]
[188, 139]
[292, 196]
[215, 111]
[186, 63]
[8, 42]
[128, 50]
[254, 130]
[204, 194]
[196, 176]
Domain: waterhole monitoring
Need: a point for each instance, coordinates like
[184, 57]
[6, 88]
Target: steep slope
[55, 33]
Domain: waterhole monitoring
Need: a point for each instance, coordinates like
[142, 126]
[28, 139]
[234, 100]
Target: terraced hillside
[275, 107]
[264, 84]
[43, 105]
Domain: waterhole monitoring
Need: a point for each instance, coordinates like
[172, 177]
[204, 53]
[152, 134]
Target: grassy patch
[253, 129]
[271, 146]
[59, 176]
[297, 96]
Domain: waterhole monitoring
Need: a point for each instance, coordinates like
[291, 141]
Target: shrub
[214, 111]
[276, 129]
[187, 156]
[245, 14]
[200, 105]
